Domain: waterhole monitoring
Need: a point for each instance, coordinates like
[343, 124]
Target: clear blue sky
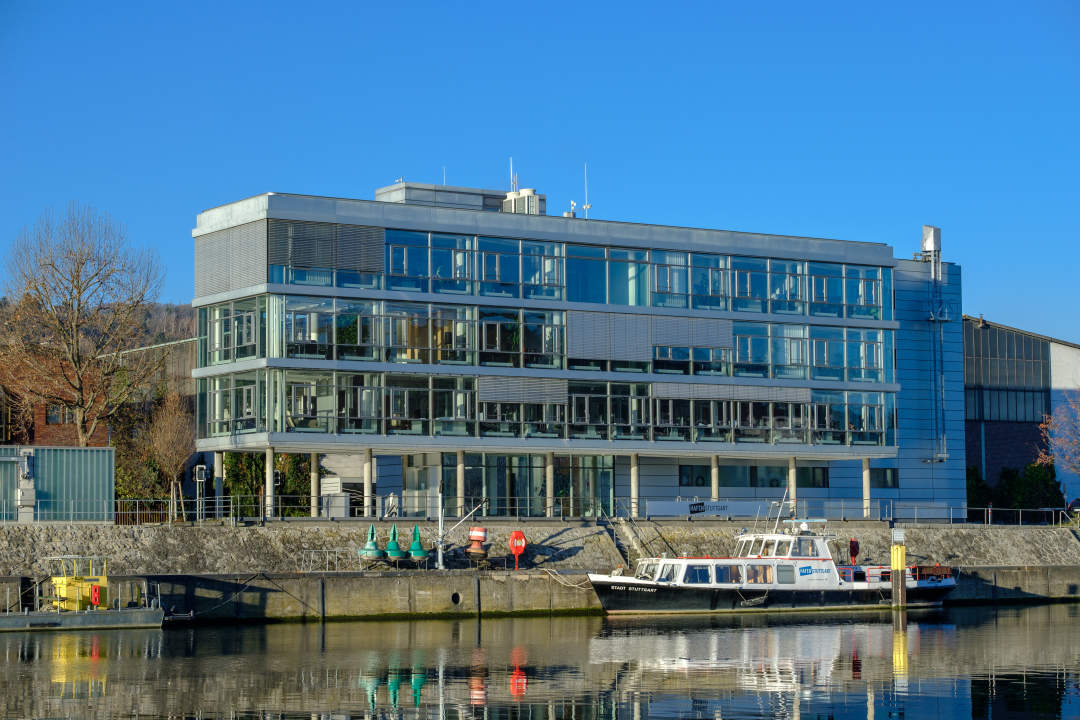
[855, 121]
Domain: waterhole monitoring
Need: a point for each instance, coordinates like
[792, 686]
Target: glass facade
[321, 328]
[425, 336]
[1006, 374]
[431, 262]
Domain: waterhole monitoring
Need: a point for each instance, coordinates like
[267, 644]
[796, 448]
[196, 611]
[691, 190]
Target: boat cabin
[766, 559]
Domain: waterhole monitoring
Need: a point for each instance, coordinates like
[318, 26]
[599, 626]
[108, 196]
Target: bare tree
[172, 441]
[1061, 435]
[77, 294]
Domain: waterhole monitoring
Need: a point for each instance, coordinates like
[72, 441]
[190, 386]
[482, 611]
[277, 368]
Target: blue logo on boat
[807, 570]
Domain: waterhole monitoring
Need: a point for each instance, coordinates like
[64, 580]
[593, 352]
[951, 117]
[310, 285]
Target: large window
[407, 260]
[499, 267]
[751, 284]
[451, 264]
[500, 336]
[586, 274]
[628, 277]
[541, 270]
[235, 331]
[357, 330]
[709, 282]
[408, 337]
[309, 327]
[672, 283]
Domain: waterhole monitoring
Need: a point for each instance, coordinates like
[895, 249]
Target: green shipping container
[71, 484]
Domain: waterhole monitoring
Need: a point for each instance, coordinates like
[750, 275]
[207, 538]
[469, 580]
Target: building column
[549, 484]
[314, 484]
[368, 505]
[219, 481]
[866, 487]
[792, 486]
[461, 483]
[268, 509]
[714, 477]
[635, 486]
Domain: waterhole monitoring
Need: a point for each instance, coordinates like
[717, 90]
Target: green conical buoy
[392, 548]
[371, 548]
[419, 677]
[416, 550]
[393, 685]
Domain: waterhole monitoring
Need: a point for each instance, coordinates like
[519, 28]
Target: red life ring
[95, 595]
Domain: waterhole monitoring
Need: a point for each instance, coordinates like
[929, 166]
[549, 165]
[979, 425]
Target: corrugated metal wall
[9, 480]
[325, 245]
[71, 483]
[230, 259]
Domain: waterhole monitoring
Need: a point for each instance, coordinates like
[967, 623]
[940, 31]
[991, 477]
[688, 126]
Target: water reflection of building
[548, 668]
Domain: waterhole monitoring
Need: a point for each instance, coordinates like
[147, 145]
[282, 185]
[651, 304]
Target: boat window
[804, 547]
[667, 573]
[646, 570]
[785, 574]
[768, 548]
[696, 574]
[755, 549]
[740, 548]
[783, 548]
[728, 573]
[759, 574]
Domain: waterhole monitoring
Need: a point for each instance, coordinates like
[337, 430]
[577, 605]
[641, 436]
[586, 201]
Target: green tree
[245, 475]
[1036, 487]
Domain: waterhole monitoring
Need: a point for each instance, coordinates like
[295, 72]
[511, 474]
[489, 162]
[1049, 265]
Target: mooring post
[898, 569]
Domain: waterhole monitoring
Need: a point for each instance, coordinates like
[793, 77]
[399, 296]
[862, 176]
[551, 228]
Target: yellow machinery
[80, 582]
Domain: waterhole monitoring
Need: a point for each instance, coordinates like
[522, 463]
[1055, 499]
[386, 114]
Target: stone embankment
[955, 545]
[312, 570]
[286, 547]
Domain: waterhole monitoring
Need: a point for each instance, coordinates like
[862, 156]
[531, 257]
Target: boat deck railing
[883, 573]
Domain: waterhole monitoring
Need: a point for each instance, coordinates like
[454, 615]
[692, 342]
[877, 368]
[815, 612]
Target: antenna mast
[513, 177]
[586, 206]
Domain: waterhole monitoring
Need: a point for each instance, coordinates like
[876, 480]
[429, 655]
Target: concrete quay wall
[316, 596]
[262, 597]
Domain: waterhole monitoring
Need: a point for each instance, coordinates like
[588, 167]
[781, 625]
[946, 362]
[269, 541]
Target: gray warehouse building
[459, 340]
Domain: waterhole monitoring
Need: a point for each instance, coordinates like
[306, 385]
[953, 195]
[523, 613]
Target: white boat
[774, 571]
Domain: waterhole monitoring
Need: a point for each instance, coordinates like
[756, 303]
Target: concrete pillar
[866, 487]
[314, 484]
[461, 509]
[635, 487]
[368, 504]
[404, 484]
[792, 485]
[549, 484]
[219, 481]
[268, 509]
[714, 477]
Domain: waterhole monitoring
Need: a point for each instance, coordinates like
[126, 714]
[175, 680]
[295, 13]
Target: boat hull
[638, 598]
[90, 620]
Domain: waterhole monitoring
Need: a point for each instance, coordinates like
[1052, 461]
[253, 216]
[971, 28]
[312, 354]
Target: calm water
[971, 663]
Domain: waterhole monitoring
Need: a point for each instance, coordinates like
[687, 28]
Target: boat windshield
[646, 570]
[804, 547]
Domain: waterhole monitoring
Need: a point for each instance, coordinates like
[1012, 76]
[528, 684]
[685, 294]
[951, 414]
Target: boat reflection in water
[952, 663]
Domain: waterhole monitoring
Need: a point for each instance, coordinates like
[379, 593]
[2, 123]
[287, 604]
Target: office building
[1013, 380]
[458, 339]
